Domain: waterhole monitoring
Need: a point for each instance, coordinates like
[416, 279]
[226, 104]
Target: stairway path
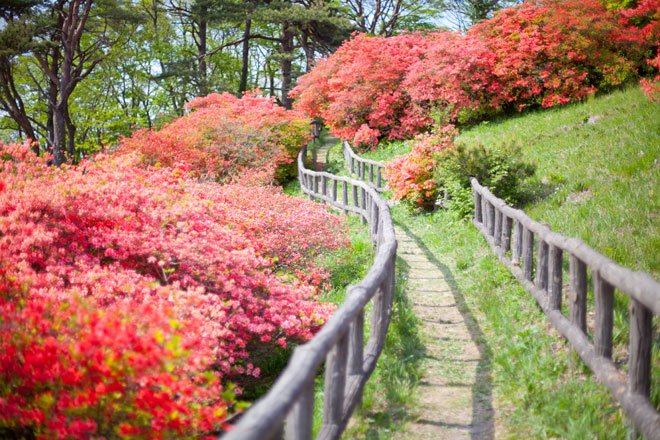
[454, 394]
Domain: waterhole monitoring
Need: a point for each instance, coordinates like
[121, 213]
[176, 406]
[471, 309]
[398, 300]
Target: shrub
[358, 89]
[234, 265]
[500, 168]
[554, 51]
[410, 176]
[70, 370]
[249, 140]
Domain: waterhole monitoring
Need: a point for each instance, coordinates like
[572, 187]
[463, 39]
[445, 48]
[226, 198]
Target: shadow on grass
[482, 426]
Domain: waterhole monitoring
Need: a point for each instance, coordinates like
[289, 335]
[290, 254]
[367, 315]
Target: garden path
[454, 393]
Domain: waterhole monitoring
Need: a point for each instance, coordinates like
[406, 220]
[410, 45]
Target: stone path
[455, 391]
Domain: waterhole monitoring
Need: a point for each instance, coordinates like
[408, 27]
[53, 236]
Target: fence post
[324, 188]
[498, 227]
[300, 420]
[639, 365]
[363, 206]
[578, 271]
[334, 190]
[517, 243]
[542, 265]
[555, 277]
[604, 311]
[378, 178]
[335, 384]
[528, 253]
[477, 206]
[506, 233]
[344, 190]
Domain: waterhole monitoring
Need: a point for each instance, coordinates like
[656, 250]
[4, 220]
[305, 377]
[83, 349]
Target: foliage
[542, 53]
[236, 266]
[500, 168]
[646, 16]
[126, 370]
[249, 140]
[554, 52]
[410, 177]
[357, 90]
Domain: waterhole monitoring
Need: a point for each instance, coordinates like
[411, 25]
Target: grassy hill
[598, 178]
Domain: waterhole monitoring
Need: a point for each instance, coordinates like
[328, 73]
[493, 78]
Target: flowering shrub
[544, 52]
[249, 140]
[410, 176]
[68, 370]
[147, 248]
[357, 90]
[643, 20]
[553, 51]
[455, 76]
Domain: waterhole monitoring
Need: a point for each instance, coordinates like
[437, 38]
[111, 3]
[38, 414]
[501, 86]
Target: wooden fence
[364, 169]
[513, 235]
[287, 410]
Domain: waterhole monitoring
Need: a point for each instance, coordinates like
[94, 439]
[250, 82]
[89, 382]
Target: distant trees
[77, 74]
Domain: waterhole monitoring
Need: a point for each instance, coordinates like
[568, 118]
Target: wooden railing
[288, 407]
[364, 169]
[513, 235]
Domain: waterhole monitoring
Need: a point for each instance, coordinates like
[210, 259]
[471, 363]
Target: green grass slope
[600, 163]
[598, 171]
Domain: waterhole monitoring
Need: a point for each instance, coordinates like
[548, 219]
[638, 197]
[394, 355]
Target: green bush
[500, 168]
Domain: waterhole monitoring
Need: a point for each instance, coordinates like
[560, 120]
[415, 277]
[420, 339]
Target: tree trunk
[246, 55]
[202, 35]
[70, 135]
[286, 63]
[59, 135]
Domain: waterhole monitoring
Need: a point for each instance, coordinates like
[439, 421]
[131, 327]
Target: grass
[598, 179]
[599, 164]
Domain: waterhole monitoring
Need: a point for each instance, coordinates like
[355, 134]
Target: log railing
[513, 235]
[364, 169]
[287, 410]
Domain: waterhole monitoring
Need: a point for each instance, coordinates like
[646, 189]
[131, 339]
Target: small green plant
[499, 167]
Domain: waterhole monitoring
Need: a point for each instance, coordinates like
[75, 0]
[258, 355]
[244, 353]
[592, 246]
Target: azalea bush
[358, 89]
[538, 53]
[248, 140]
[192, 270]
[410, 176]
[70, 370]
[553, 51]
[644, 19]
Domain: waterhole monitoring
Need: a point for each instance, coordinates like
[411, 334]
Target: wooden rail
[287, 411]
[513, 235]
[367, 170]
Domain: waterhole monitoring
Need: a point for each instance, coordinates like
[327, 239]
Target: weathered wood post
[555, 276]
[506, 233]
[528, 253]
[604, 315]
[542, 265]
[578, 272]
[300, 420]
[335, 384]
